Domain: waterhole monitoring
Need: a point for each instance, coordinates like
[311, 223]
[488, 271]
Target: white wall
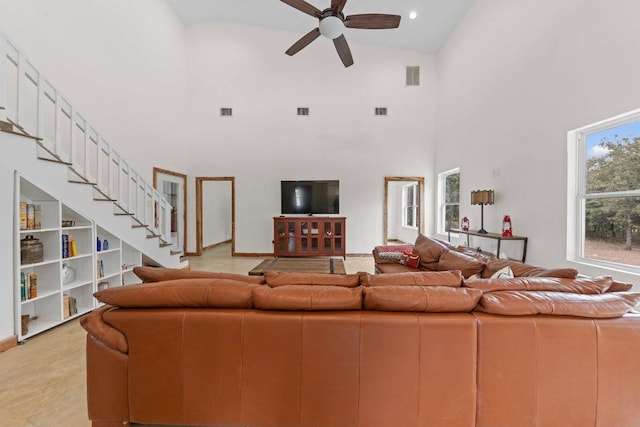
[514, 77]
[245, 68]
[216, 212]
[120, 63]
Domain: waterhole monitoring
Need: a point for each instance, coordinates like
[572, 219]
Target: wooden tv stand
[309, 236]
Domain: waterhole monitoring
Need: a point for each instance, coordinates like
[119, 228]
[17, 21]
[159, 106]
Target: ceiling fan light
[331, 27]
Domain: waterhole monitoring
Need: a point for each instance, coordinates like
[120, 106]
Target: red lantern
[465, 224]
[506, 226]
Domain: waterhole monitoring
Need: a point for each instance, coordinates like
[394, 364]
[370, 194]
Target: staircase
[52, 145]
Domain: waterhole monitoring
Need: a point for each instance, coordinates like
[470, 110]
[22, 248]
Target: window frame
[577, 194]
[442, 201]
[406, 206]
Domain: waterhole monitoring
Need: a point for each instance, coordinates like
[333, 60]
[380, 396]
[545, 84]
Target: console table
[309, 236]
[499, 237]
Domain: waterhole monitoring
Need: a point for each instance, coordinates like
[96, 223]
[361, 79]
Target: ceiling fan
[333, 23]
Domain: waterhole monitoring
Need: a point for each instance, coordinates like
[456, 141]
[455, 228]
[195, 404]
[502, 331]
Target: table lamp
[482, 197]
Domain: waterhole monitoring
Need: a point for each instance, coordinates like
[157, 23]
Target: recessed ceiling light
[413, 14]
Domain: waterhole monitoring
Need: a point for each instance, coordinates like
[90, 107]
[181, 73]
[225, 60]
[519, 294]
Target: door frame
[156, 172]
[199, 181]
[385, 216]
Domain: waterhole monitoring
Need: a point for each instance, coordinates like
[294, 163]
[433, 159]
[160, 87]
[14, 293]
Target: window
[226, 112]
[410, 205]
[604, 195]
[303, 111]
[448, 200]
[381, 111]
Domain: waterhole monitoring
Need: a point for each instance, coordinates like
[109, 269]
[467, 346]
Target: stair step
[54, 160]
[175, 252]
[164, 245]
[151, 236]
[123, 214]
[6, 126]
[74, 181]
[9, 126]
[139, 226]
[103, 200]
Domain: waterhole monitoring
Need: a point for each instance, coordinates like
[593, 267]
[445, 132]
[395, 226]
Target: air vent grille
[413, 75]
[381, 111]
[303, 111]
[226, 112]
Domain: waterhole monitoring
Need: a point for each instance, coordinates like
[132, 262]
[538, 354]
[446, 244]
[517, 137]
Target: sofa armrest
[387, 254]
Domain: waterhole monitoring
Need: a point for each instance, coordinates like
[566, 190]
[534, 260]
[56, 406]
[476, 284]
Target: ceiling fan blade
[338, 5]
[372, 21]
[305, 7]
[303, 42]
[343, 50]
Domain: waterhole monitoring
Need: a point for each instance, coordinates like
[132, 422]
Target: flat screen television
[310, 197]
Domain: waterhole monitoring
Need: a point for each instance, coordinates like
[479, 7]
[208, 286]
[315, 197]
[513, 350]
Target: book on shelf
[28, 286]
[69, 306]
[100, 268]
[65, 246]
[37, 217]
[23, 215]
[30, 216]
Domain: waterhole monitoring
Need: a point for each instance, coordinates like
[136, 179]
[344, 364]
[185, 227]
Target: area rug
[300, 265]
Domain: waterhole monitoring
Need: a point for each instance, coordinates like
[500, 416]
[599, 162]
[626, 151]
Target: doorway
[400, 205]
[215, 212]
[173, 187]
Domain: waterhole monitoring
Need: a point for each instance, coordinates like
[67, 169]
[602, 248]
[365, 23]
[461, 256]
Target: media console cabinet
[309, 236]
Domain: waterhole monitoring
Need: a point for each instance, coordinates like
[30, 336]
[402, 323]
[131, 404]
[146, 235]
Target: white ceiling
[427, 33]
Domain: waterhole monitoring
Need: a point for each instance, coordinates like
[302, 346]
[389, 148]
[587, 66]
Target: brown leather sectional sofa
[408, 349]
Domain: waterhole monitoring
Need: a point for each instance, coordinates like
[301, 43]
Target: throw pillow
[410, 259]
[503, 273]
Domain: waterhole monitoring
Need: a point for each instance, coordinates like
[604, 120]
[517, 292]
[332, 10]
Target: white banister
[33, 104]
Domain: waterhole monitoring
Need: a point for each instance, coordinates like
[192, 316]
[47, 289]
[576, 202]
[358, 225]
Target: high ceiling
[426, 33]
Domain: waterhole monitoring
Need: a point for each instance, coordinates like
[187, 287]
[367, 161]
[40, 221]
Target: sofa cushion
[103, 332]
[158, 274]
[619, 286]
[429, 251]
[420, 298]
[415, 278]
[395, 268]
[582, 285]
[218, 293]
[279, 278]
[558, 303]
[525, 270]
[307, 297]
[452, 260]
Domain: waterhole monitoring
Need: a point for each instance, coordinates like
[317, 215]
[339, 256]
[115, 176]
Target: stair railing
[33, 105]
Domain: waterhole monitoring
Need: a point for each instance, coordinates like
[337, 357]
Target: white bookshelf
[47, 308]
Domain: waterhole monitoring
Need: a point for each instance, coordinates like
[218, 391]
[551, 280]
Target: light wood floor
[42, 382]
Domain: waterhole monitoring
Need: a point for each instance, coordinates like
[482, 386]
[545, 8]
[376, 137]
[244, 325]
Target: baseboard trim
[8, 343]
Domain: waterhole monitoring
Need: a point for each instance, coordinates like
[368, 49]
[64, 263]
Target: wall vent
[226, 112]
[413, 75]
[303, 111]
[381, 111]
